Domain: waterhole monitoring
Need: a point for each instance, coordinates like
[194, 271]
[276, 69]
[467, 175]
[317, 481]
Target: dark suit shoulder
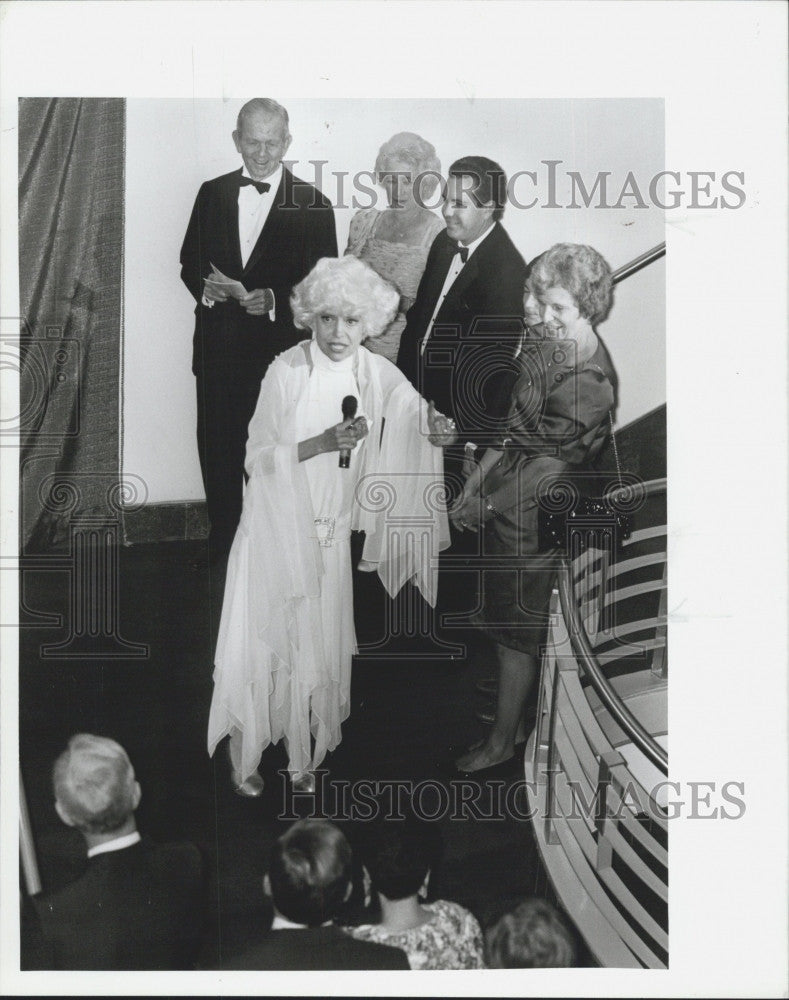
[221, 182]
[501, 251]
[304, 193]
[317, 949]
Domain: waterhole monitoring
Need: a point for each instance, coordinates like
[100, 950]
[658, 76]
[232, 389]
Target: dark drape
[71, 161]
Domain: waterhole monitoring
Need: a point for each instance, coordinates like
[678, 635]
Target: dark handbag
[570, 521]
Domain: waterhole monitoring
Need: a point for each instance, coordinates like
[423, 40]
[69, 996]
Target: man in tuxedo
[463, 331]
[138, 905]
[309, 878]
[265, 228]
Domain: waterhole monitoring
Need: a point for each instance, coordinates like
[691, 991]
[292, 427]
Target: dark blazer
[318, 948]
[468, 366]
[299, 231]
[138, 908]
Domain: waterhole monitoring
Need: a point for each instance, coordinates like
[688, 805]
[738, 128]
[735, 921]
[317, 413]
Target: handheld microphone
[349, 405]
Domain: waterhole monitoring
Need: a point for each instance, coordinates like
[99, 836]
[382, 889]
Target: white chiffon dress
[286, 635]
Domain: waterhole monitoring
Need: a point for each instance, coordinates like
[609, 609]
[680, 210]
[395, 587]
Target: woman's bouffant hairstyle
[94, 783]
[412, 149]
[345, 283]
[579, 270]
[310, 871]
[532, 936]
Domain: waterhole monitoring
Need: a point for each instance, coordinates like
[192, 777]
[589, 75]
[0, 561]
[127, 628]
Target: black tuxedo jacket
[318, 948]
[468, 367]
[138, 908]
[299, 231]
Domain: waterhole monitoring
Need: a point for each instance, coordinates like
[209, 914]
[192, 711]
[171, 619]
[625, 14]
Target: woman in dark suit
[558, 422]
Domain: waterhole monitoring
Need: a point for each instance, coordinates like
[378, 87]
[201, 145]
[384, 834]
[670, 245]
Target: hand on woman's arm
[468, 510]
[346, 434]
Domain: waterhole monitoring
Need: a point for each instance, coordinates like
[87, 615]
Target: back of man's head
[95, 789]
[532, 936]
[310, 872]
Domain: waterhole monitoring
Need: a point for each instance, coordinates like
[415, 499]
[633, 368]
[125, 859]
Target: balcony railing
[595, 762]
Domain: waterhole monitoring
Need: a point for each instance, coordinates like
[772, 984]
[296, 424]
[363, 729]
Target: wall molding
[166, 522]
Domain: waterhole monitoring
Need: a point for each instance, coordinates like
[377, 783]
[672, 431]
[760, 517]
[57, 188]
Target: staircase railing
[584, 653]
[648, 257]
[594, 767]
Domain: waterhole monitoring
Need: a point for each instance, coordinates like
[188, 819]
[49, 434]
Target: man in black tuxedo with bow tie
[462, 333]
[265, 228]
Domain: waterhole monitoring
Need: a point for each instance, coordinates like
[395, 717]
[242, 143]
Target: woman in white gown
[286, 636]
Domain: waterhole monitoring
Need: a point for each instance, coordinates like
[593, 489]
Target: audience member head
[532, 936]
[581, 272]
[261, 136]
[398, 856]
[309, 876]
[345, 286]
[400, 161]
[95, 788]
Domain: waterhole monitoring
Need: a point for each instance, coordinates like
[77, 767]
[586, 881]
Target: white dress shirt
[455, 268]
[253, 210]
[117, 844]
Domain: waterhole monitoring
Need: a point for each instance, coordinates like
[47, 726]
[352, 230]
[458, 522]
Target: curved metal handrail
[582, 648]
[638, 262]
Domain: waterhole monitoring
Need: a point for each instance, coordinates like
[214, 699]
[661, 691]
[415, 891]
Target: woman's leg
[517, 672]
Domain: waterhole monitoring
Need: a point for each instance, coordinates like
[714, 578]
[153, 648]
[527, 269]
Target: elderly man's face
[262, 141]
[465, 220]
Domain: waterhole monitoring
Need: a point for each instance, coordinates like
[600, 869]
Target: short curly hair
[418, 153]
[579, 270]
[532, 936]
[345, 282]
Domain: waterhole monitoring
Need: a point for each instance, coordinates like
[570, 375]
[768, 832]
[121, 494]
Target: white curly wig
[345, 283]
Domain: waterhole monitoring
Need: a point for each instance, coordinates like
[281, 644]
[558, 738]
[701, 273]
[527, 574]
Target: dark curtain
[71, 161]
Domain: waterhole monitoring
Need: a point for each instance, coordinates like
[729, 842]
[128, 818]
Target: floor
[147, 683]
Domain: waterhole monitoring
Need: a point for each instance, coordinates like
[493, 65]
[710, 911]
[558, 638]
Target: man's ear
[136, 795]
[235, 140]
[267, 885]
[60, 809]
[348, 892]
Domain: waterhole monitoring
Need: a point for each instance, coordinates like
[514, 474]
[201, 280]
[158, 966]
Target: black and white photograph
[374, 379]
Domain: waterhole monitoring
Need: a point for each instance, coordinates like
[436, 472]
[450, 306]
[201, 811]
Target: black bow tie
[260, 186]
[457, 248]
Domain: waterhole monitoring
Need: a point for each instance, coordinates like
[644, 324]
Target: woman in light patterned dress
[438, 935]
[395, 242]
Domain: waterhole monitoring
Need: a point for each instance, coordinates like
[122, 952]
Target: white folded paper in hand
[219, 282]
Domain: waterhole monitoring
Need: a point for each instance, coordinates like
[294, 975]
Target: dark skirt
[516, 594]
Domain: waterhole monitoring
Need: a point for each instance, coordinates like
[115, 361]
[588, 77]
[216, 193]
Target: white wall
[173, 145]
